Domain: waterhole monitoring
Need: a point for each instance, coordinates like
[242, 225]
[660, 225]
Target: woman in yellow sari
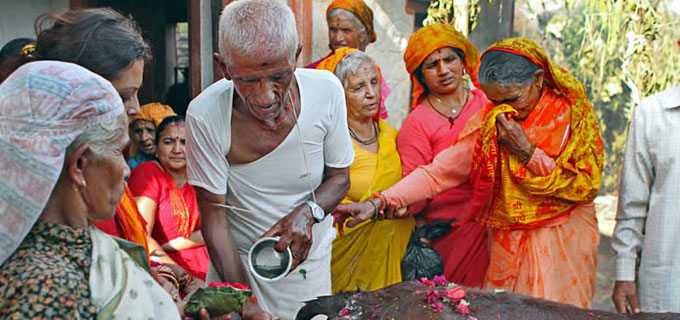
[368, 256]
[534, 156]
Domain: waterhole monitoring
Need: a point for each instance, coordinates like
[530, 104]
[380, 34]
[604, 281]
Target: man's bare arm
[215, 228]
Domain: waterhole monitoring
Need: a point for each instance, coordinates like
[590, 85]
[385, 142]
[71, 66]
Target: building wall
[18, 17]
[393, 26]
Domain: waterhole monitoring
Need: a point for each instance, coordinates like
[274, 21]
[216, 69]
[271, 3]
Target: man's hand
[625, 293]
[295, 230]
[512, 137]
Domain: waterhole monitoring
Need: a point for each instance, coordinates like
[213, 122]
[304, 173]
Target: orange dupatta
[429, 39]
[130, 221]
[506, 194]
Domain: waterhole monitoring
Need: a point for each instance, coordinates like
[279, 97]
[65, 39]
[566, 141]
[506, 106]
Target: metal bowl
[266, 263]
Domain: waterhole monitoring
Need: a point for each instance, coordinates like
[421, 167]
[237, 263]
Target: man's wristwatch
[317, 212]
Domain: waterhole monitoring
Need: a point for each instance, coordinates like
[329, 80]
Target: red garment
[423, 135]
[148, 180]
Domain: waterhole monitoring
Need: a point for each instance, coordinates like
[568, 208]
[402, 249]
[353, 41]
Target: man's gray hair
[506, 69]
[262, 29]
[350, 64]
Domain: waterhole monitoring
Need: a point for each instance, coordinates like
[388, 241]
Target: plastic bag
[420, 259]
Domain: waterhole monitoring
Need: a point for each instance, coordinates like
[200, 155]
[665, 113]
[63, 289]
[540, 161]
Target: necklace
[292, 99]
[455, 113]
[368, 141]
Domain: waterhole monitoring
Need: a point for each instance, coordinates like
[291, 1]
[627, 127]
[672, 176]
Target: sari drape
[121, 285]
[507, 195]
[546, 237]
[368, 256]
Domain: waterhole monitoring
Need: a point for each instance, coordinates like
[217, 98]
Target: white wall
[393, 27]
[17, 17]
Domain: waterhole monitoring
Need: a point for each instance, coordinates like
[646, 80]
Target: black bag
[420, 259]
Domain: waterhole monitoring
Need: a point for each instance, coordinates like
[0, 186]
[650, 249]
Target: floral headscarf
[360, 10]
[44, 107]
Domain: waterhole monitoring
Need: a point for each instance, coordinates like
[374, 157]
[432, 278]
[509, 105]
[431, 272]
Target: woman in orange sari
[534, 156]
[438, 59]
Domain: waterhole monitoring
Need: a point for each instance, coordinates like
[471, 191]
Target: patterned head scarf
[360, 10]
[429, 39]
[44, 107]
[153, 112]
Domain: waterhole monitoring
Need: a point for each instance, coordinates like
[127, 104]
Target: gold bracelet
[186, 280]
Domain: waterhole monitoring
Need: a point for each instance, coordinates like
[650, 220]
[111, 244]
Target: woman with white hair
[368, 255]
[62, 133]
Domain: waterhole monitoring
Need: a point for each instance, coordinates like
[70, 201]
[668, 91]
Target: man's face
[144, 133]
[261, 85]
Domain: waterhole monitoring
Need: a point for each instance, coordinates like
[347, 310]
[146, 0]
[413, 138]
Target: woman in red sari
[438, 57]
[168, 204]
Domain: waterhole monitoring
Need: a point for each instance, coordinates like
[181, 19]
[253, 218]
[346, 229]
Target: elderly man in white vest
[272, 141]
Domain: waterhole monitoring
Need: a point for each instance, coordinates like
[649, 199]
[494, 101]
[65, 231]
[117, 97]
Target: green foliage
[622, 51]
[454, 12]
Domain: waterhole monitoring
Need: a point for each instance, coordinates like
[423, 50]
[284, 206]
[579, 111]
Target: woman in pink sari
[438, 57]
[168, 204]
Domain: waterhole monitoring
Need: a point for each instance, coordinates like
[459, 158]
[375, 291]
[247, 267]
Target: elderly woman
[438, 58]
[368, 256]
[350, 25]
[64, 129]
[143, 132]
[535, 159]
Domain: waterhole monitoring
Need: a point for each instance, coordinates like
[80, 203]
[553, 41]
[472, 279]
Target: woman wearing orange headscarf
[350, 25]
[438, 58]
[534, 156]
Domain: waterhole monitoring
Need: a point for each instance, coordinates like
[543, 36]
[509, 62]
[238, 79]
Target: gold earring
[84, 184]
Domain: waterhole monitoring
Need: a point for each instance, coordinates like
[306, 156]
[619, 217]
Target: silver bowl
[266, 263]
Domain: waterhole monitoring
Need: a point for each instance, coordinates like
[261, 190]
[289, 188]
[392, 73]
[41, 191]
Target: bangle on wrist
[375, 207]
[383, 200]
[531, 154]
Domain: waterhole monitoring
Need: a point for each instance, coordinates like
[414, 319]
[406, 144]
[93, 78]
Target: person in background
[110, 45]
[15, 53]
[143, 132]
[647, 218]
[271, 141]
[168, 204]
[438, 59]
[350, 25]
[368, 256]
[534, 156]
